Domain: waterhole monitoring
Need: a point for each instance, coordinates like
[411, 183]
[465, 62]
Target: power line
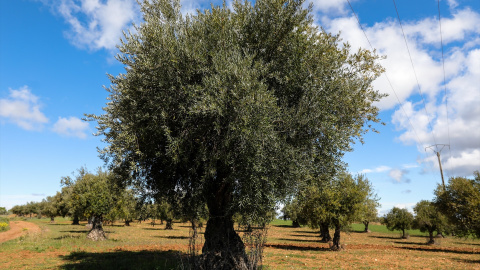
[386, 76]
[444, 78]
[415, 73]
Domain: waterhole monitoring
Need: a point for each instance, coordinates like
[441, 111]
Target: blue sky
[55, 54]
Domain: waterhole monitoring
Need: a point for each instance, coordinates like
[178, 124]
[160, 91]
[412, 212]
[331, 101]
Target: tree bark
[325, 233]
[366, 226]
[97, 233]
[169, 226]
[223, 247]
[127, 222]
[52, 219]
[404, 236]
[76, 220]
[336, 238]
[432, 240]
[295, 224]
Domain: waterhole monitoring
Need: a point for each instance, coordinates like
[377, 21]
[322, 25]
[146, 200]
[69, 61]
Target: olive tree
[460, 202]
[429, 219]
[399, 219]
[336, 203]
[228, 106]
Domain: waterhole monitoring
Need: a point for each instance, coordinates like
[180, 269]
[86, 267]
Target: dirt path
[17, 229]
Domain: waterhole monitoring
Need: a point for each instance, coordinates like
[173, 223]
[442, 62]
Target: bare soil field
[60, 245]
[17, 229]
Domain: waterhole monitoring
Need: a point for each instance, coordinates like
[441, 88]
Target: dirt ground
[17, 229]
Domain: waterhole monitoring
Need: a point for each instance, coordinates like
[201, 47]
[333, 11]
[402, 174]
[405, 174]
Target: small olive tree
[398, 219]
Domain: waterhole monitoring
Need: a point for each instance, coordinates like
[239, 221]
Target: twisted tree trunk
[223, 248]
[325, 233]
[336, 238]
[97, 233]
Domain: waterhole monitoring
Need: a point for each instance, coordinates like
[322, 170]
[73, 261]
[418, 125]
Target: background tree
[228, 105]
[368, 211]
[336, 203]
[92, 197]
[399, 219]
[429, 219]
[49, 208]
[3, 211]
[292, 210]
[126, 204]
[460, 202]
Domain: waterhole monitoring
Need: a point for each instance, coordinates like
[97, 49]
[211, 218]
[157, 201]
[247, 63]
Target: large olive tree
[227, 107]
[460, 202]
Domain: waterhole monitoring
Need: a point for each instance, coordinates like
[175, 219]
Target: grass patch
[4, 224]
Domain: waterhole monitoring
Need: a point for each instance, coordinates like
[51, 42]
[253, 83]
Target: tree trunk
[366, 226]
[404, 236]
[97, 233]
[336, 238]
[295, 224]
[127, 222]
[52, 219]
[325, 233]
[76, 220]
[169, 226]
[223, 247]
[432, 240]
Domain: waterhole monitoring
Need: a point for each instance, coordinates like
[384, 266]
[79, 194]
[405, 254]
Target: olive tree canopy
[229, 106]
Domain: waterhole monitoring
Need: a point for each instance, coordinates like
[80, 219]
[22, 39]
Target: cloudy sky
[55, 54]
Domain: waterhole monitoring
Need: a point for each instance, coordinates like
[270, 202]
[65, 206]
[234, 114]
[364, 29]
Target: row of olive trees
[335, 202]
[96, 197]
[455, 210]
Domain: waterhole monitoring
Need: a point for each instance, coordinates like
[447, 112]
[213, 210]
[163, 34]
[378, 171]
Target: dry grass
[141, 246]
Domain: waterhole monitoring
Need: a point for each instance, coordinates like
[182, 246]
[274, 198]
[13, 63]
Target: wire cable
[386, 76]
[415, 73]
[444, 78]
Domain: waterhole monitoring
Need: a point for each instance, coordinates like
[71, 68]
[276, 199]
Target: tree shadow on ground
[174, 237]
[162, 228]
[385, 237]
[472, 244]
[286, 226]
[446, 250]
[410, 243]
[467, 261]
[305, 235]
[295, 247]
[300, 240]
[120, 260]
[309, 231]
[79, 231]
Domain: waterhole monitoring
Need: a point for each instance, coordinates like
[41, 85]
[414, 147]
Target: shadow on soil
[119, 260]
[305, 235]
[174, 237]
[446, 250]
[385, 237]
[300, 240]
[468, 261]
[294, 247]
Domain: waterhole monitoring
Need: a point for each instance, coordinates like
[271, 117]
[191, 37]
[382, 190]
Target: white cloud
[426, 125]
[96, 24]
[376, 170]
[22, 108]
[72, 127]
[398, 175]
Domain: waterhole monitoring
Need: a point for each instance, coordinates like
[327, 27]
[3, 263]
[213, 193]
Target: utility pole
[438, 156]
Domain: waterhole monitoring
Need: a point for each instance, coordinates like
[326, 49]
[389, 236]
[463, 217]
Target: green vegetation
[231, 108]
[460, 202]
[4, 224]
[399, 219]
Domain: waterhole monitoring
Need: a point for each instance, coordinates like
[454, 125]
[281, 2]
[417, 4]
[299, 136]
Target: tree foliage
[429, 219]
[336, 202]
[398, 219]
[460, 202]
[230, 107]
